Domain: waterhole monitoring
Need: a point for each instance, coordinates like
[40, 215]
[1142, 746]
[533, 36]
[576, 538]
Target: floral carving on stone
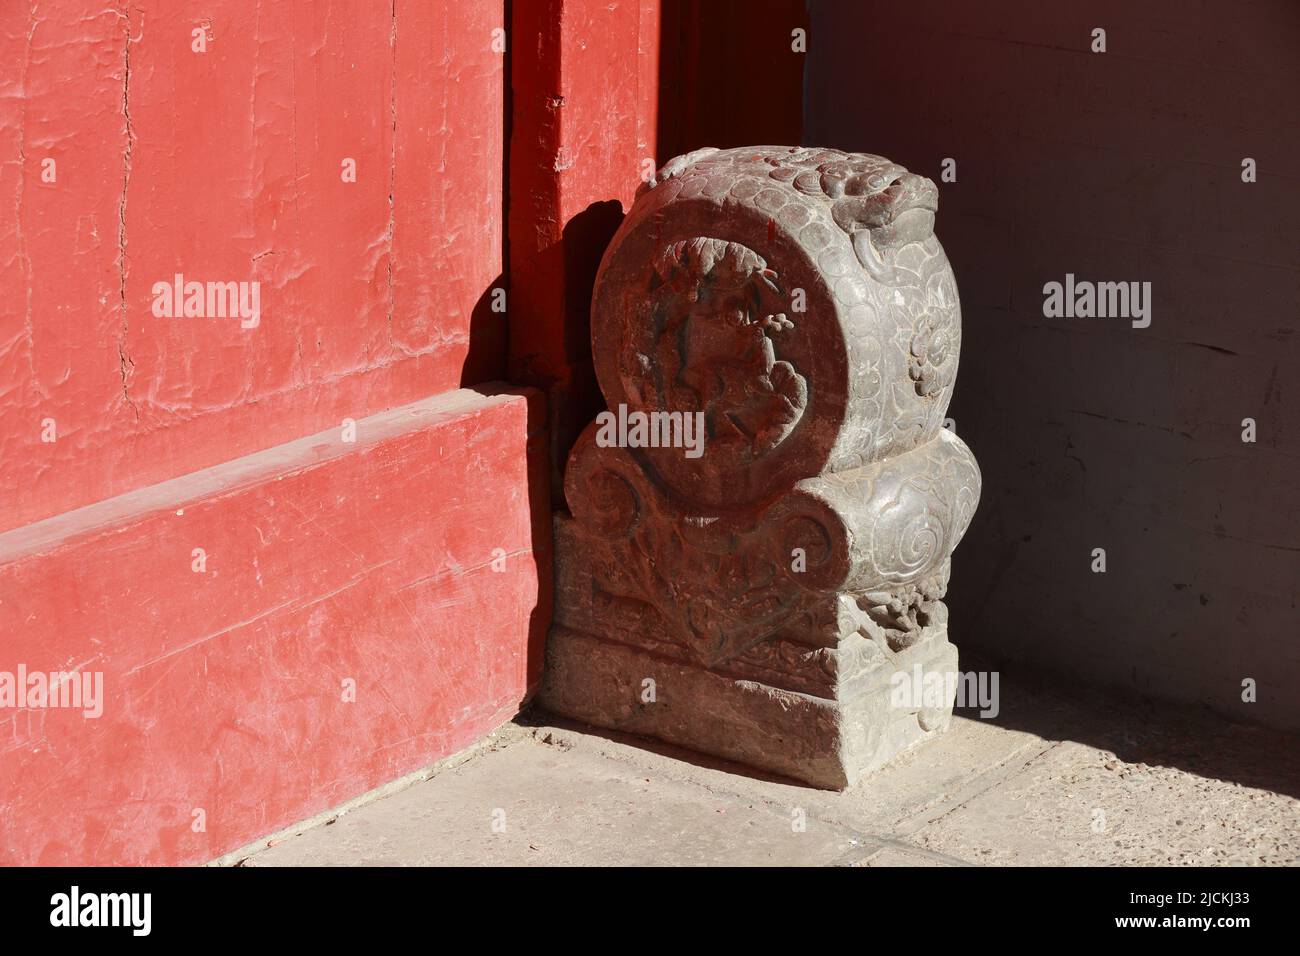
[797, 301]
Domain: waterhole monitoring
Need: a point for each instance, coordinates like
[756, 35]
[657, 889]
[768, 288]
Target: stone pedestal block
[761, 526]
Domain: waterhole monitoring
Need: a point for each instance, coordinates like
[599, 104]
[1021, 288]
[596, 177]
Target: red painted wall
[605, 92]
[226, 165]
[359, 611]
[585, 88]
[413, 559]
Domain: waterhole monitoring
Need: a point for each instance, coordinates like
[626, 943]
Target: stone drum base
[879, 713]
[760, 526]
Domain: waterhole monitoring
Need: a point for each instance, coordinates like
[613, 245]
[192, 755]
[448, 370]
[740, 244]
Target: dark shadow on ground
[1140, 730]
[536, 716]
[1136, 731]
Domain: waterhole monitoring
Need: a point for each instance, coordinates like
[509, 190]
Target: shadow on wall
[1109, 442]
[728, 75]
[569, 380]
[487, 337]
[540, 502]
[585, 238]
[726, 78]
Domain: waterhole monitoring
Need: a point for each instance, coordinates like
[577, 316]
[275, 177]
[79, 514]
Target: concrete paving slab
[535, 803]
[1078, 805]
[889, 856]
[1058, 778]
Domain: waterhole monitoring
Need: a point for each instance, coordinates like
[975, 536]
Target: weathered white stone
[754, 598]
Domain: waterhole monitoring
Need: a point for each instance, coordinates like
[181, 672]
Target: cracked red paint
[223, 689]
[225, 165]
[372, 560]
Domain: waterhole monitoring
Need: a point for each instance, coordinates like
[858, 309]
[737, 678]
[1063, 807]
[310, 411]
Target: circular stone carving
[794, 300]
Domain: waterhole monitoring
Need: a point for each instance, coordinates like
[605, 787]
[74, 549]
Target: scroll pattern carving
[799, 300]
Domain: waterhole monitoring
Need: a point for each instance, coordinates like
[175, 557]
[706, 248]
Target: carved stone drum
[755, 569]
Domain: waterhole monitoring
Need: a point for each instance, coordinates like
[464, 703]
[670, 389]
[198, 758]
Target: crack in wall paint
[124, 360]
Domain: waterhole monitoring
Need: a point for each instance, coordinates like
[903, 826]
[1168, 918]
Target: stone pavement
[1056, 778]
